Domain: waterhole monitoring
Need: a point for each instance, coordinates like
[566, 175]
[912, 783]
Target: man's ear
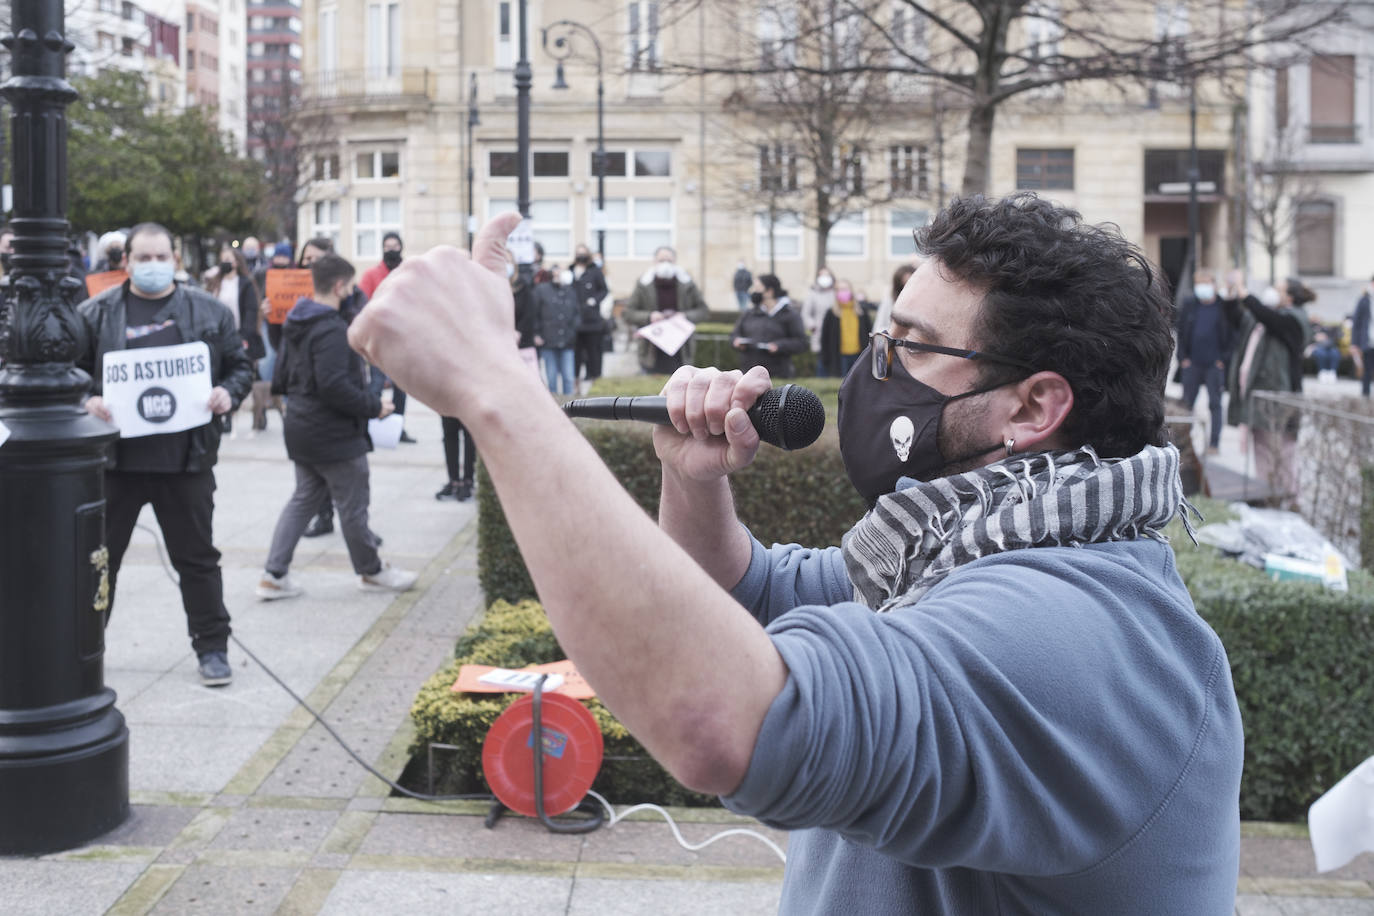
[1044, 402]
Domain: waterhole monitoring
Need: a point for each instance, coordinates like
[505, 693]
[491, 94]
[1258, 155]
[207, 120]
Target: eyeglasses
[884, 345]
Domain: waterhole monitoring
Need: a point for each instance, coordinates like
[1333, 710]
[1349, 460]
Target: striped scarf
[916, 536]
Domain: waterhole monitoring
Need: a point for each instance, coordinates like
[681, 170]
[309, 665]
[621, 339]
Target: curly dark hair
[1067, 297]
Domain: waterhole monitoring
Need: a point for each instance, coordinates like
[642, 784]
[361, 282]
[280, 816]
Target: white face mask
[1205, 292]
[565, 278]
[1270, 297]
[825, 281]
[665, 269]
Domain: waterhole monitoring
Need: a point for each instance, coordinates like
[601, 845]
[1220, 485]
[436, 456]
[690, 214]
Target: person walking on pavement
[741, 281]
[326, 435]
[555, 329]
[769, 333]
[368, 283]
[1359, 338]
[173, 471]
[819, 301]
[661, 292]
[1205, 341]
[590, 284]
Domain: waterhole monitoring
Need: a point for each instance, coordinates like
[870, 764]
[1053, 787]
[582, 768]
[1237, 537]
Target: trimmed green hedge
[1302, 657]
[513, 636]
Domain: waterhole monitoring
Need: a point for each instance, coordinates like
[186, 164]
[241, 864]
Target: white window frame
[376, 155]
[630, 152]
[861, 234]
[630, 226]
[783, 161]
[328, 40]
[503, 51]
[895, 232]
[1043, 30]
[780, 231]
[545, 231]
[642, 36]
[383, 37]
[843, 172]
[325, 229]
[777, 34]
[843, 45]
[378, 226]
[908, 159]
[909, 33]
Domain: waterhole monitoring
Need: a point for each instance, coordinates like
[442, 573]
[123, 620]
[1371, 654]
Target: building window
[908, 33]
[1333, 99]
[327, 220]
[843, 44]
[552, 220]
[642, 35]
[645, 163]
[126, 47]
[107, 6]
[383, 39]
[505, 59]
[377, 166]
[374, 217]
[503, 164]
[1281, 99]
[636, 226]
[1316, 235]
[777, 168]
[901, 229]
[126, 10]
[105, 42]
[848, 237]
[787, 237]
[1043, 30]
[550, 165]
[778, 36]
[849, 169]
[1044, 170]
[326, 168]
[909, 166]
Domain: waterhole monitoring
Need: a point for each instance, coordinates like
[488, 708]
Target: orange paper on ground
[98, 283]
[573, 685]
[284, 287]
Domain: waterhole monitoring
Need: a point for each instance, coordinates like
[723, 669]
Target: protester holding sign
[326, 435]
[662, 292]
[155, 315]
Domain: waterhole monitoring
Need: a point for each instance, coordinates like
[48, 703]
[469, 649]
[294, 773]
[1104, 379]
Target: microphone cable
[611, 819]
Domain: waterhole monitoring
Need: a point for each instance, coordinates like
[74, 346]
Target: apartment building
[274, 67]
[142, 38]
[388, 149]
[1312, 142]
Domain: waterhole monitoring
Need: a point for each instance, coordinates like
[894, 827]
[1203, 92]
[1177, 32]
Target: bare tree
[816, 141]
[1275, 202]
[272, 131]
[988, 52]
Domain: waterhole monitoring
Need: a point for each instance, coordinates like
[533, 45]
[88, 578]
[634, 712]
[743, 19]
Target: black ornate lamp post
[561, 51]
[473, 121]
[1194, 173]
[64, 749]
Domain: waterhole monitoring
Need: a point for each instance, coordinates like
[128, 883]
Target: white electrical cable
[613, 819]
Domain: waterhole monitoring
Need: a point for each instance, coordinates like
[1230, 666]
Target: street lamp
[473, 121]
[64, 748]
[1194, 173]
[562, 50]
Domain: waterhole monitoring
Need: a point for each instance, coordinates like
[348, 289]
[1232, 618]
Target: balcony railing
[403, 83]
[1333, 133]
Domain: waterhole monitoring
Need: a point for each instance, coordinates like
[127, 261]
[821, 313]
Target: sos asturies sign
[156, 390]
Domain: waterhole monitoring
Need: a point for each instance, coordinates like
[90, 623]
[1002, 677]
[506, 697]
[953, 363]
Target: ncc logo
[157, 405]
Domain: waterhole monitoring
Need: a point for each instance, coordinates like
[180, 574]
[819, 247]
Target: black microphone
[788, 417]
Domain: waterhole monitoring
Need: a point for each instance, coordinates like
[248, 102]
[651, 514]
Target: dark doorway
[1173, 259]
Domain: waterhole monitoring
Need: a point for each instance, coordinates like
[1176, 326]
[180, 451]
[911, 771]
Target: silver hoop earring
[1011, 443]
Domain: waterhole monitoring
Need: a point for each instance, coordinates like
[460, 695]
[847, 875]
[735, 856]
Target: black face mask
[584, 259]
[226, 268]
[392, 259]
[756, 298]
[5, 260]
[891, 429]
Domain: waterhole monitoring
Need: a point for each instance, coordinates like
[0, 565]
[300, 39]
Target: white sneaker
[270, 587]
[388, 579]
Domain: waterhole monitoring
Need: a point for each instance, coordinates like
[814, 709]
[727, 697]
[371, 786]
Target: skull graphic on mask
[902, 433]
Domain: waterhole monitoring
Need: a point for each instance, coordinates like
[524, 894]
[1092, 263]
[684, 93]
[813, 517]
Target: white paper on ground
[1341, 822]
[386, 433]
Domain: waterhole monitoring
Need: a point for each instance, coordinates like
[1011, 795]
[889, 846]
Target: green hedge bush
[513, 636]
[1302, 657]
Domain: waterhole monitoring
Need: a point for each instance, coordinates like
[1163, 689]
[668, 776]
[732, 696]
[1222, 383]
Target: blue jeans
[1327, 357]
[1214, 377]
[742, 299]
[559, 362]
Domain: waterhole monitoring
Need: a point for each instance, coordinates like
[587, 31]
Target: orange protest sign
[98, 283]
[469, 680]
[284, 287]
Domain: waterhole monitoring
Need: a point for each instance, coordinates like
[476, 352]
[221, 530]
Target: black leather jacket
[198, 316]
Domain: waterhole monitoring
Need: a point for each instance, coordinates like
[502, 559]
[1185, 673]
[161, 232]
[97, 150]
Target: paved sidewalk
[241, 804]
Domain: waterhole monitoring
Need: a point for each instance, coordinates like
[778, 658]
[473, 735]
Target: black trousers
[458, 450]
[184, 505]
[587, 352]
